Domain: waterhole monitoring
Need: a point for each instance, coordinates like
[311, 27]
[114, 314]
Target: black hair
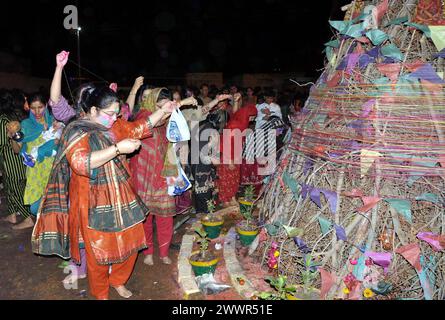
[165, 94]
[37, 97]
[89, 96]
[204, 85]
[141, 90]
[269, 93]
[7, 106]
[18, 98]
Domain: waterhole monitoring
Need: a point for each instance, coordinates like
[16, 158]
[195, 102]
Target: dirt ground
[26, 276]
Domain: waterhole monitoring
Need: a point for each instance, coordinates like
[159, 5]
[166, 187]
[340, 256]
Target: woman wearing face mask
[34, 128]
[101, 207]
[150, 168]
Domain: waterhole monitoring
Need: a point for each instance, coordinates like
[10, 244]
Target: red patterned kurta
[146, 168]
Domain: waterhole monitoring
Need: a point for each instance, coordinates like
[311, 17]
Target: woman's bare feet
[12, 218]
[148, 260]
[166, 260]
[25, 224]
[123, 292]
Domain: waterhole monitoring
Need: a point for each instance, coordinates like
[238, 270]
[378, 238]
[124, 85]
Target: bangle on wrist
[117, 150]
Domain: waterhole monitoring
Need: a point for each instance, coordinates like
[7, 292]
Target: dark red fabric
[229, 175]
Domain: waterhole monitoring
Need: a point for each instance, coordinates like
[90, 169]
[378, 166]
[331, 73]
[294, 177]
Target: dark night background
[165, 39]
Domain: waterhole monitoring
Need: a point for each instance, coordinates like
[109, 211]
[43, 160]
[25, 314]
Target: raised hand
[137, 84]
[62, 59]
[128, 146]
[113, 86]
[169, 107]
[237, 97]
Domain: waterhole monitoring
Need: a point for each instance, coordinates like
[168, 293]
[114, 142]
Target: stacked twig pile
[372, 133]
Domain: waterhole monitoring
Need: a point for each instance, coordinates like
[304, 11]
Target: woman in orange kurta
[102, 207]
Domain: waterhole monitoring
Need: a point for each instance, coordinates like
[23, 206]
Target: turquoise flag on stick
[401, 206]
[325, 225]
[292, 184]
[392, 51]
[430, 197]
[377, 37]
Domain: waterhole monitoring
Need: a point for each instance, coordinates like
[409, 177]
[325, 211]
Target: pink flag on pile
[327, 281]
[411, 252]
[432, 238]
[381, 10]
[390, 70]
[356, 193]
[369, 203]
[382, 259]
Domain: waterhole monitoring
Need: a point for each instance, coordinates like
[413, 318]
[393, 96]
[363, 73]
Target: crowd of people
[92, 174]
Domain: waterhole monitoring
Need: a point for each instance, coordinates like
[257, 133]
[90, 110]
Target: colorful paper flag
[382, 259]
[341, 233]
[327, 281]
[293, 232]
[302, 245]
[392, 51]
[369, 203]
[325, 225]
[391, 70]
[430, 197]
[427, 72]
[377, 36]
[432, 239]
[411, 252]
[438, 36]
[401, 206]
[368, 157]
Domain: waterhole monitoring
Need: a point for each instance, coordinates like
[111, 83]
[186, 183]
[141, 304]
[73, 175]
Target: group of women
[98, 187]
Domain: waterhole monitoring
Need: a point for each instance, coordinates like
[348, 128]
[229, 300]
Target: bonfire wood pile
[364, 175]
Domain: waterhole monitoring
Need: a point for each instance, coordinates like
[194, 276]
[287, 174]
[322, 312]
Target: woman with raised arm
[232, 141]
[39, 145]
[89, 193]
[63, 111]
[150, 168]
